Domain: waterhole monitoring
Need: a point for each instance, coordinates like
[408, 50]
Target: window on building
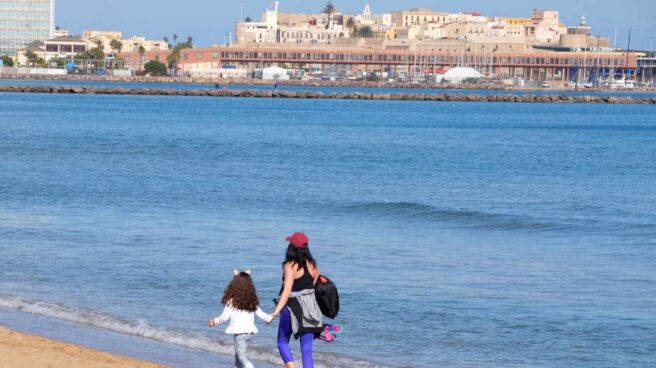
[52, 48]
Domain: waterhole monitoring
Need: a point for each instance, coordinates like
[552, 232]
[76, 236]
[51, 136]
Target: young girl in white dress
[241, 305]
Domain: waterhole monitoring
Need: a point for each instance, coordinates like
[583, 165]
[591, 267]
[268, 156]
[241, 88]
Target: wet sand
[19, 350]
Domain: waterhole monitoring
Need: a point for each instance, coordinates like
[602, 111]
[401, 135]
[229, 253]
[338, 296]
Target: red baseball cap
[299, 240]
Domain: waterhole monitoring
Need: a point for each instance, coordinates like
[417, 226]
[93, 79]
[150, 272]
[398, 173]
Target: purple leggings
[285, 333]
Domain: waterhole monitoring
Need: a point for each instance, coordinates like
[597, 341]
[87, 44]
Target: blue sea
[460, 234]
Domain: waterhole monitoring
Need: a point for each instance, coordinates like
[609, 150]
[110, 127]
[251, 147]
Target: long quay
[549, 98]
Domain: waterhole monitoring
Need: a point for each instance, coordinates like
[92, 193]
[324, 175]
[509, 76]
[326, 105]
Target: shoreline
[533, 98]
[21, 350]
[307, 83]
[140, 348]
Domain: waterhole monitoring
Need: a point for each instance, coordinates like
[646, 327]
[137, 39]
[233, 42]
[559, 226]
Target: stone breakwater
[73, 78]
[550, 98]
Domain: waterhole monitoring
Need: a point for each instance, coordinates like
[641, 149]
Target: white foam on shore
[174, 336]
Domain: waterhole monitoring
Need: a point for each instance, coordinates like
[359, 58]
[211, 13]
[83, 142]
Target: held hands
[211, 323]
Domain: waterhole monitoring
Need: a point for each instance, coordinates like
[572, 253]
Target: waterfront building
[398, 57]
[418, 16]
[383, 19]
[580, 37]
[129, 44]
[545, 26]
[23, 22]
[54, 48]
[292, 28]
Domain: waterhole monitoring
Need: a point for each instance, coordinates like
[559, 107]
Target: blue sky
[207, 21]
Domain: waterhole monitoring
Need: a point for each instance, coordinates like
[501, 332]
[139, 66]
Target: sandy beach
[18, 350]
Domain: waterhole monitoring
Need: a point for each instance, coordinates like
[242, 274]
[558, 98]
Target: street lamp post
[652, 62]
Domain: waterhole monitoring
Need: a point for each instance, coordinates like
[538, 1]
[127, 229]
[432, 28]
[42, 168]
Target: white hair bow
[247, 271]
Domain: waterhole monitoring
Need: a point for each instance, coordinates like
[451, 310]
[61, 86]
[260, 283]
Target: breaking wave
[459, 218]
[174, 336]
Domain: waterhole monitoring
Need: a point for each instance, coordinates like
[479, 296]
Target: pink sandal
[330, 332]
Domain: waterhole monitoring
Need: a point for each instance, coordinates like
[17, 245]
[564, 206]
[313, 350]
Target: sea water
[459, 234]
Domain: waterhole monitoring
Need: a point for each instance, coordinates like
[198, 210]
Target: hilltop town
[416, 45]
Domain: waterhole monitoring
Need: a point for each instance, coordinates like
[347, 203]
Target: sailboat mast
[628, 48]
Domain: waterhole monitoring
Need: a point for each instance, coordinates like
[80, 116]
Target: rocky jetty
[253, 81]
[547, 98]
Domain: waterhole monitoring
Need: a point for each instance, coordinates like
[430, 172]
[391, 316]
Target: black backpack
[327, 297]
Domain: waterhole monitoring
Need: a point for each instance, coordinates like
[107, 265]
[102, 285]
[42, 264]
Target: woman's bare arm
[286, 288]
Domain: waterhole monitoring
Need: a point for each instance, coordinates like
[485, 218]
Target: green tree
[58, 63]
[248, 19]
[7, 61]
[142, 51]
[364, 32]
[329, 8]
[174, 57]
[98, 52]
[155, 68]
[166, 40]
[471, 80]
[350, 24]
[116, 46]
[372, 77]
[32, 57]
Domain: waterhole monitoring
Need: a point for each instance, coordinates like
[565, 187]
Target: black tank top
[304, 282]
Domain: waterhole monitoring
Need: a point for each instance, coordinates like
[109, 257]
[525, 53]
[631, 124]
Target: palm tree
[173, 59]
[190, 42]
[116, 45]
[166, 40]
[141, 50]
[32, 57]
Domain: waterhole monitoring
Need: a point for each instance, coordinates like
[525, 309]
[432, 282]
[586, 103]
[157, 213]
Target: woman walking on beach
[298, 309]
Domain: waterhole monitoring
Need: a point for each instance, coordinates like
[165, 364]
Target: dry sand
[18, 350]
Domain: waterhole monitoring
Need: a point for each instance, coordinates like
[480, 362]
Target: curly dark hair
[241, 294]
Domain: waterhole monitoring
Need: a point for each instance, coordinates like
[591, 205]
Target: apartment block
[23, 22]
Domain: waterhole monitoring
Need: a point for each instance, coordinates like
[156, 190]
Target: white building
[458, 74]
[275, 73]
